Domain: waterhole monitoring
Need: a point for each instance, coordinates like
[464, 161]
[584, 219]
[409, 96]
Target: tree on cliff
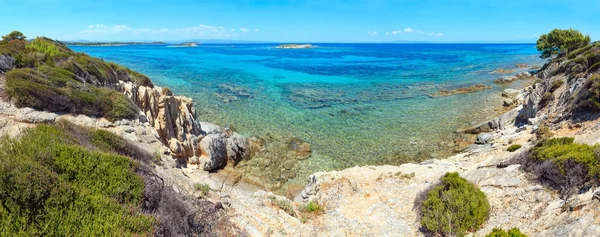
[558, 42]
[15, 35]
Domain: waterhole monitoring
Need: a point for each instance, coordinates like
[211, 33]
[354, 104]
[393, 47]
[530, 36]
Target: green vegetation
[202, 188]
[49, 76]
[454, 207]
[14, 35]
[284, 205]
[513, 147]
[56, 90]
[498, 232]
[563, 165]
[588, 99]
[313, 207]
[546, 99]
[54, 183]
[562, 150]
[556, 84]
[559, 42]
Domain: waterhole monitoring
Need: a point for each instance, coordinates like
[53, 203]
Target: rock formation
[178, 128]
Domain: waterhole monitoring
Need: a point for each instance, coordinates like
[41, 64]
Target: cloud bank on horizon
[199, 31]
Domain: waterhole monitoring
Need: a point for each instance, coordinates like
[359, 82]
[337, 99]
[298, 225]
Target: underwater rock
[300, 148]
[463, 90]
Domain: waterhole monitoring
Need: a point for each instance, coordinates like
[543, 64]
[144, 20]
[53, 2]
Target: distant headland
[295, 46]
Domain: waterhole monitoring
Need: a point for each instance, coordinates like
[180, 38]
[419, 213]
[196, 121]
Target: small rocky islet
[194, 167]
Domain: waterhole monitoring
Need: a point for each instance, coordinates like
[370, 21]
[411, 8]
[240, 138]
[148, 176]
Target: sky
[299, 21]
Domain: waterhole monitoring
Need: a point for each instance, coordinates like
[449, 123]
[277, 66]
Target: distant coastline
[295, 46]
[111, 43]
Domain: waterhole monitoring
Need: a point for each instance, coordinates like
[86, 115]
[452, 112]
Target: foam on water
[356, 104]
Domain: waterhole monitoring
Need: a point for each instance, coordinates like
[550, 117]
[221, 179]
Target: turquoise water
[356, 104]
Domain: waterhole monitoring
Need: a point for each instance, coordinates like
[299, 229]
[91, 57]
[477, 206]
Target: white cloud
[373, 33]
[395, 32]
[408, 30]
[257, 30]
[126, 32]
[436, 34]
[97, 26]
[387, 33]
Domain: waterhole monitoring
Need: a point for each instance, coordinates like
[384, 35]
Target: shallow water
[356, 104]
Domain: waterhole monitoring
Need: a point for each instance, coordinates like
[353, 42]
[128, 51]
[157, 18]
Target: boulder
[7, 63]
[213, 152]
[507, 102]
[300, 148]
[484, 138]
[238, 148]
[510, 93]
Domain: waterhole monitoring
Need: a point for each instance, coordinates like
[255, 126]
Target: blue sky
[299, 21]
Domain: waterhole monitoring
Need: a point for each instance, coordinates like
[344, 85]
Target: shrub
[556, 84]
[498, 232]
[513, 147]
[51, 89]
[588, 99]
[454, 207]
[53, 187]
[546, 98]
[202, 188]
[561, 41]
[284, 205]
[14, 35]
[562, 164]
[313, 207]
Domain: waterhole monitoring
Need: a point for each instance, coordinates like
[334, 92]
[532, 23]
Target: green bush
[55, 89]
[546, 98]
[202, 188]
[454, 207]
[560, 150]
[560, 41]
[49, 76]
[54, 187]
[513, 147]
[498, 232]
[284, 205]
[556, 84]
[313, 207]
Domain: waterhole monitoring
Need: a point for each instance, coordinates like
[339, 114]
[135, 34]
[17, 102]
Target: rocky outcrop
[6, 63]
[463, 90]
[178, 128]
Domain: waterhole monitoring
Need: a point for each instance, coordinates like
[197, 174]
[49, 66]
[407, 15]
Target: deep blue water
[355, 103]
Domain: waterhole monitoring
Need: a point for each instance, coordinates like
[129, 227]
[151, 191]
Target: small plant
[284, 205]
[499, 232]
[202, 188]
[157, 157]
[556, 84]
[513, 147]
[313, 207]
[546, 99]
[543, 132]
[454, 207]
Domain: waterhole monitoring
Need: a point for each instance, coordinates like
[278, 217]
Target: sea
[355, 104]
